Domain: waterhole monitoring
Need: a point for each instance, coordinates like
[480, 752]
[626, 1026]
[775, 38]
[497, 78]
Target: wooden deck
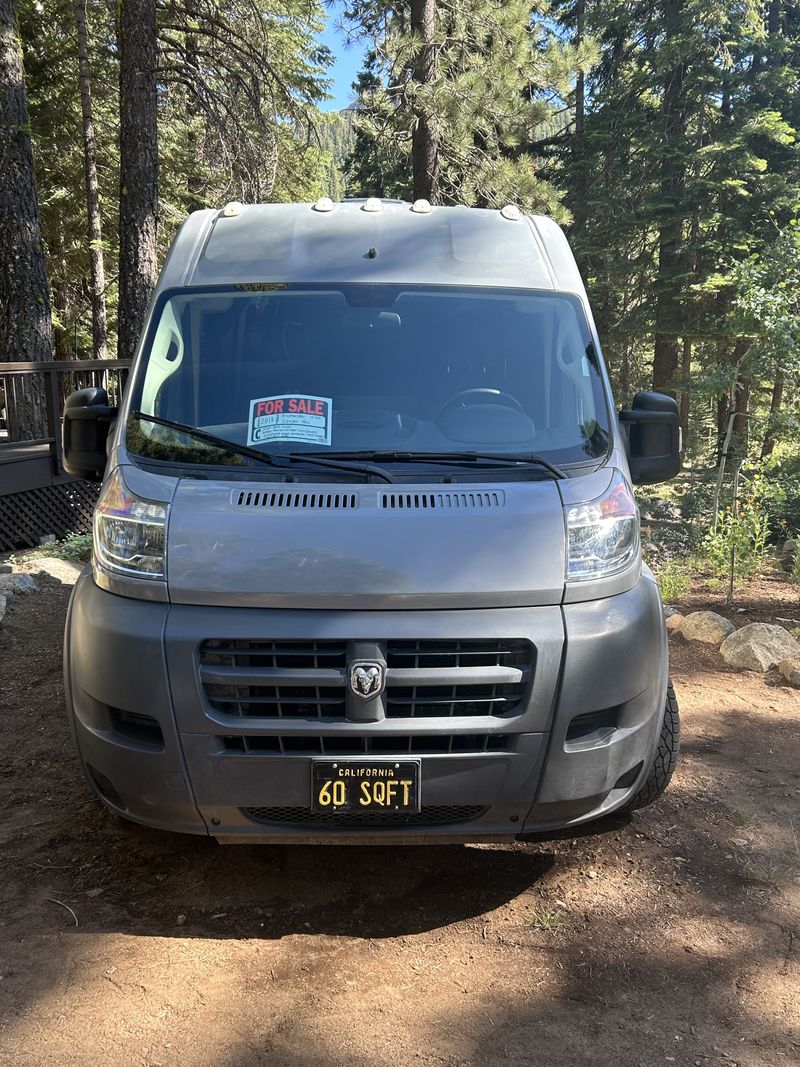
[27, 465]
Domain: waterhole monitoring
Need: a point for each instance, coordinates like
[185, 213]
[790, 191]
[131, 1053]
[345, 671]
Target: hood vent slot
[294, 500]
[443, 501]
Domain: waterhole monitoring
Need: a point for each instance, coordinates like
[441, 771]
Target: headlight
[603, 535]
[129, 533]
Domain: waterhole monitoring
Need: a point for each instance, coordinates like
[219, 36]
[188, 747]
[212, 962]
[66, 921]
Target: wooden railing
[32, 399]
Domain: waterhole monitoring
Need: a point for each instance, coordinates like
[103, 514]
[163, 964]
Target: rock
[3, 602]
[758, 647]
[14, 584]
[670, 611]
[6, 568]
[706, 626]
[675, 622]
[788, 553]
[61, 569]
[790, 669]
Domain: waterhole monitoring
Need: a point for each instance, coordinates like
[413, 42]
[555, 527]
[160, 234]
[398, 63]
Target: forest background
[662, 135]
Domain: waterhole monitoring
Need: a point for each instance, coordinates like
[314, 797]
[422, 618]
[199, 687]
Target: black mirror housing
[653, 431]
[87, 421]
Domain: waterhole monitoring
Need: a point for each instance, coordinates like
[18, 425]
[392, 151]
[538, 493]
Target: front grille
[458, 653]
[434, 815]
[283, 701]
[277, 655]
[425, 678]
[372, 744]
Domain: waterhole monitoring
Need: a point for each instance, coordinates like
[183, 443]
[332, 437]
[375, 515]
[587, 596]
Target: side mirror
[87, 421]
[653, 430]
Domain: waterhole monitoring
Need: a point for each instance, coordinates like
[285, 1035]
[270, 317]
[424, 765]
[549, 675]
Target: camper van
[367, 560]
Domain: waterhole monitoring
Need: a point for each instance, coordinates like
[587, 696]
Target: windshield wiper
[527, 459]
[267, 458]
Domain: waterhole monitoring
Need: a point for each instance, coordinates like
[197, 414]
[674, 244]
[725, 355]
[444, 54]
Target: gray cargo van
[366, 554]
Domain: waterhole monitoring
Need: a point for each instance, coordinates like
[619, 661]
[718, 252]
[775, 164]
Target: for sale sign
[291, 417]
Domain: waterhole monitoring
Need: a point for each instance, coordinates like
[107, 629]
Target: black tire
[666, 757]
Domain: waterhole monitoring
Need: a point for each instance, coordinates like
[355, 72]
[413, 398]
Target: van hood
[367, 547]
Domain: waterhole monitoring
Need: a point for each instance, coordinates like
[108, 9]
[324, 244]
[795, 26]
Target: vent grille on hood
[243, 498]
[443, 501]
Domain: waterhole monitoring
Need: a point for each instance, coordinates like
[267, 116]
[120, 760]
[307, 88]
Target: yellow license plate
[353, 786]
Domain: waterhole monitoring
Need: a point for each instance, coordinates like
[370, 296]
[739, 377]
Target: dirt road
[672, 938]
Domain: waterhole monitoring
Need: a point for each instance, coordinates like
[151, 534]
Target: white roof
[296, 243]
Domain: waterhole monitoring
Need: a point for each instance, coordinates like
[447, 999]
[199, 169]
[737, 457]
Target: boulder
[758, 647]
[14, 584]
[670, 611]
[675, 621]
[790, 669]
[6, 568]
[3, 602]
[62, 569]
[706, 626]
[788, 553]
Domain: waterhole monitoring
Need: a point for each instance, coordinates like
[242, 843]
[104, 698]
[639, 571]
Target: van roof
[348, 242]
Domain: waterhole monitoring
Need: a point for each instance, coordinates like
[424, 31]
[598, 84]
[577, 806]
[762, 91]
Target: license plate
[363, 786]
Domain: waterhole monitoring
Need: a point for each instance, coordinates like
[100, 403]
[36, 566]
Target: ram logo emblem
[367, 679]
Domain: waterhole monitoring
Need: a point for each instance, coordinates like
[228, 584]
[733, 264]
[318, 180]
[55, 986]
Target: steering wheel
[467, 397]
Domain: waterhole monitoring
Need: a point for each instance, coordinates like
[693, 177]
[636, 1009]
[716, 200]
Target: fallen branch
[63, 905]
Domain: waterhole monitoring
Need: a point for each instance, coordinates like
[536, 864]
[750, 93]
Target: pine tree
[94, 223]
[486, 91]
[138, 153]
[25, 326]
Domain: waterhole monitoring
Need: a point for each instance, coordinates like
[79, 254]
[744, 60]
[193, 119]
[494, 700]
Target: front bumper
[159, 752]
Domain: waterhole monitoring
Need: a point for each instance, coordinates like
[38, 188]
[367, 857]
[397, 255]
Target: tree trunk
[94, 227]
[741, 403]
[774, 409]
[26, 328]
[741, 420]
[578, 145]
[670, 236]
[775, 17]
[138, 144]
[686, 370]
[425, 135]
[195, 131]
[723, 410]
[725, 446]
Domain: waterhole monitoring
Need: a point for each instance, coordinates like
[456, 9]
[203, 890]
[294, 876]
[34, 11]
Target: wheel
[666, 757]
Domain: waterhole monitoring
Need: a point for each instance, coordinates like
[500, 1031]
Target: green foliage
[498, 71]
[779, 492]
[239, 89]
[664, 135]
[75, 548]
[737, 545]
[674, 579]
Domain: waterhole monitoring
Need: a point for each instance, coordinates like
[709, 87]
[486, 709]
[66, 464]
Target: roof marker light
[323, 204]
[372, 204]
[421, 207]
[511, 212]
[234, 208]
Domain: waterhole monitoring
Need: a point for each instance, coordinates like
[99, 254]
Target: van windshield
[365, 368]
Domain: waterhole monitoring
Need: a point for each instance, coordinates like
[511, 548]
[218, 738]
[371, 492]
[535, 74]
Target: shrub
[674, 579]
[744, 535]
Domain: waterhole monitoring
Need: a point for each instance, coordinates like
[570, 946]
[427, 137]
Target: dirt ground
[673, 937]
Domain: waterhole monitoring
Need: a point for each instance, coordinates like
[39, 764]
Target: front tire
[666, 756]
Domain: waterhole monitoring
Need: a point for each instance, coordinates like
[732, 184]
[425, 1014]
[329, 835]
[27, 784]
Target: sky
[347, 61]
